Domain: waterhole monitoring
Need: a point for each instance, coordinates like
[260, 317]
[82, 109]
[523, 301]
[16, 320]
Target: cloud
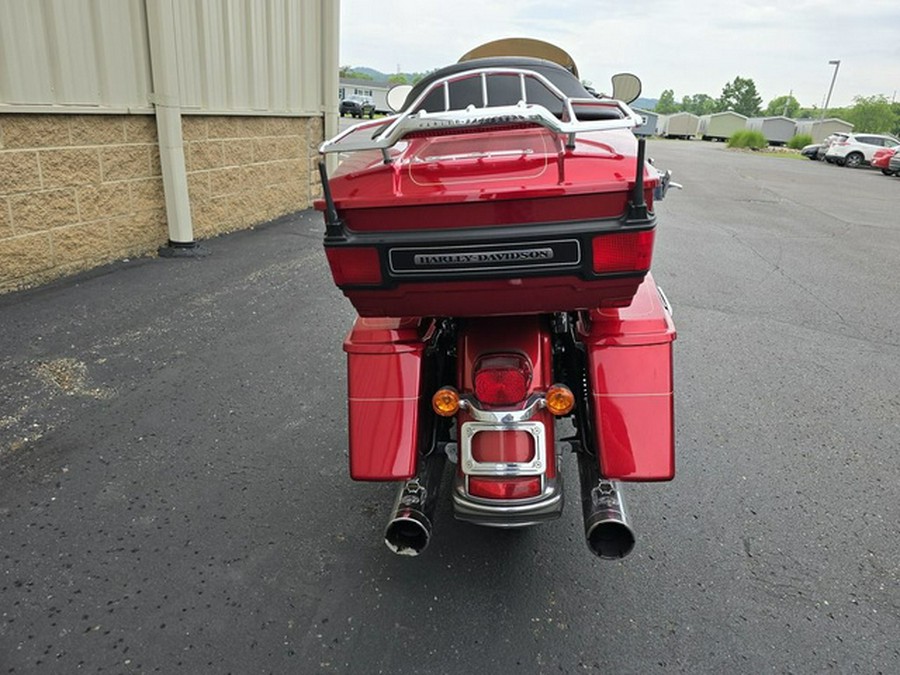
[691, 46]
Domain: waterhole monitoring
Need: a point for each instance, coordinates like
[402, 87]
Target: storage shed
[821, 129]
[721, 125]
[679, 125]
[777, 130]
[648, 128]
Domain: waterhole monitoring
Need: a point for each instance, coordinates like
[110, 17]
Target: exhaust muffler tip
[606, 530]
[409, 529]
[610, 539]
[408, 533]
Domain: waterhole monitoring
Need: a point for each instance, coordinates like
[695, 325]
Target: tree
[350, 74]
[666, 104]
[783, 105]
[399, 78]
[699, 104]
[740, 96]
[873, 114]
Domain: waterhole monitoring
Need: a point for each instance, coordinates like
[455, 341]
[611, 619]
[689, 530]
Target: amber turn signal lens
[560, 400]
[445, 401]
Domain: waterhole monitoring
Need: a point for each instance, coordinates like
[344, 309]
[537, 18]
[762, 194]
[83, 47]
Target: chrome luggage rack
[385, 133]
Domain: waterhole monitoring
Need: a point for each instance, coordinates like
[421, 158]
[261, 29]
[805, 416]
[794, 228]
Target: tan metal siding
[252, 57]
[234, 56]
[77, 54]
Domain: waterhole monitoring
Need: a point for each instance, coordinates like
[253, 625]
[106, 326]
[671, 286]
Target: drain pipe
[166, 101]
[330, 42]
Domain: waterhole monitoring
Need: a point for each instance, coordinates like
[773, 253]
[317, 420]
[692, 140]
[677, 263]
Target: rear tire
[853, 160]
[887, 172]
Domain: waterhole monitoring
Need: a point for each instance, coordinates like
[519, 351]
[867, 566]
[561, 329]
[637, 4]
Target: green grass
[799, 141]
[748, 139]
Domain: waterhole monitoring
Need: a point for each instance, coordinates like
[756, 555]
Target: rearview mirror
[396, 96]
[626, 87]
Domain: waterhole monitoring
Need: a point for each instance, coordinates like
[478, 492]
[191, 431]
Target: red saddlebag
[630, 362]
[383, 378]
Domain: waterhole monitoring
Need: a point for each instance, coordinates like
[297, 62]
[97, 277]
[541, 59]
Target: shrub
[748, 139]
[799, 141]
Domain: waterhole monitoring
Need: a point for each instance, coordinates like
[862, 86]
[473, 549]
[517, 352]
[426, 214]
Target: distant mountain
[645, 103]
[376, 75]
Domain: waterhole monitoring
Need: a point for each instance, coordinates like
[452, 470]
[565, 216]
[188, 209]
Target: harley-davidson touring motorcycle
[495, 238]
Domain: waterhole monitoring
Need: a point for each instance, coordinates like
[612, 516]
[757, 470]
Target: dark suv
[357, 106]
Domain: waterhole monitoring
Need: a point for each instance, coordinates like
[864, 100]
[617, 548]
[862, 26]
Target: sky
[690, 46]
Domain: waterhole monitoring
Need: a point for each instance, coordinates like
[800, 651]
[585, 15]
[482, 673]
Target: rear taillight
[623, 251]
[502, 379]
[354, 266]
[505, 488]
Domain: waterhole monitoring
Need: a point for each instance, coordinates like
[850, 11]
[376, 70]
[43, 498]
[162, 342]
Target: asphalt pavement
[173, 468]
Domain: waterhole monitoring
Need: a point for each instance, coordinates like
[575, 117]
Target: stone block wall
[77, 191]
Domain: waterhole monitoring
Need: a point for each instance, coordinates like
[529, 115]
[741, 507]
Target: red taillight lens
[502, 379]
[505, 488]
[623, 251]
[354, 266]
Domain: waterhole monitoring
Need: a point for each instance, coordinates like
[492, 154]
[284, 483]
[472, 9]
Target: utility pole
[836, 64]
[786, 101]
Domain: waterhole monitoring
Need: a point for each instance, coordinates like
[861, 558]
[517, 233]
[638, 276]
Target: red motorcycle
[495, 237]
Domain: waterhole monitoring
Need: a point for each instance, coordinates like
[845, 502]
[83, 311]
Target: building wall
[253, 81]
[77, 191]
[247, 170]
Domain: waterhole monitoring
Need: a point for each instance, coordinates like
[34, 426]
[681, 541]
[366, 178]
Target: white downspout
[330, 50]
[166, 100]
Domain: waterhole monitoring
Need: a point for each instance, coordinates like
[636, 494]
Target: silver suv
[857, 149]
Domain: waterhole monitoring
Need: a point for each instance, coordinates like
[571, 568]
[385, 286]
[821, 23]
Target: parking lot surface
[174, 494]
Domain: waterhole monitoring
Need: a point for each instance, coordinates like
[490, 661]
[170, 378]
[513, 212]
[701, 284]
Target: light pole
[836, 64]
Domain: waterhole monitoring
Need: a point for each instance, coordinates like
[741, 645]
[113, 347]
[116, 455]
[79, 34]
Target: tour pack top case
[503, 187]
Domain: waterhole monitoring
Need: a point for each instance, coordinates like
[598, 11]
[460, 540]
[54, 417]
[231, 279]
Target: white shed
[679, 125]
[778, 130]
[648, 128]
[821, 129]
[721, 125]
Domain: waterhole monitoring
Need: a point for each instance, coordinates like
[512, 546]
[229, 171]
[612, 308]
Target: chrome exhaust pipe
[606, 529]
[409, 529]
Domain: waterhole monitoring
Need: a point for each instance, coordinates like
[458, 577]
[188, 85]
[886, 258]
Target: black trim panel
[497, 252]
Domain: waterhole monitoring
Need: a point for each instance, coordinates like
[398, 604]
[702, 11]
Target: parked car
[882, 159]
[811, 151]
[357, 106]
[858, 149]
[825, 144]
[894, 164]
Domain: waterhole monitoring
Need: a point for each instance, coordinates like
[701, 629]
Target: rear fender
[528, 336]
